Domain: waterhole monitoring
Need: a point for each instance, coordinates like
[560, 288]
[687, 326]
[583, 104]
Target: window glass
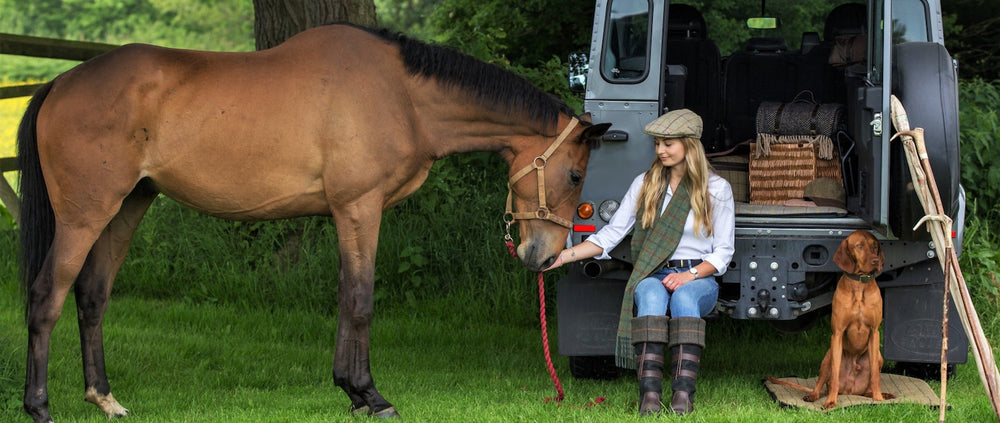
[909, 21]
[875, 41]
[626, 45]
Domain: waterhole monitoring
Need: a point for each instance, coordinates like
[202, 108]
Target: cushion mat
[906, 389]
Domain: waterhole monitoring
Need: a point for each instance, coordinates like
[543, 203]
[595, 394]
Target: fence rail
[50, 48]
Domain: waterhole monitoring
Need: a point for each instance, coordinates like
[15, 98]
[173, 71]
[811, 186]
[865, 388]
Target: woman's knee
[691, 299]
[651, 297]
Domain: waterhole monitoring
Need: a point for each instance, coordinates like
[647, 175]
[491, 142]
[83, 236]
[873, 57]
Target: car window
[909, 21]
[626, 47]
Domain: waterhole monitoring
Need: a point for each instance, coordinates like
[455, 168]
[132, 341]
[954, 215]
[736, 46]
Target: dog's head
[860, 253]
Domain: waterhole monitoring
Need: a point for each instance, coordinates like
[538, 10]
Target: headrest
[684, 21]
[767, 45]
[809, 40]
[846, 19]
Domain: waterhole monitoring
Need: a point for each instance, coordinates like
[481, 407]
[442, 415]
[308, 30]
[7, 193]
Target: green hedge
[443, 242]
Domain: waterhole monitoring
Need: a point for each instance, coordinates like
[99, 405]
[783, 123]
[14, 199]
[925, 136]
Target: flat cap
[826, 192]
[680, 123]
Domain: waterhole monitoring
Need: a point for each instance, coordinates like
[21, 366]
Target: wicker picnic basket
[794, 146]
[784, 174]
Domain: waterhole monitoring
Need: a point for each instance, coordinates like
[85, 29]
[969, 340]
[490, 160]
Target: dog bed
[907, 390]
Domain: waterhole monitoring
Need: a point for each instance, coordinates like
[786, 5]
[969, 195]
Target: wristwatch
[694, 271]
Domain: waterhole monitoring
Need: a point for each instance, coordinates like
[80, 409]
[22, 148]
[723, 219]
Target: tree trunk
[277, 20]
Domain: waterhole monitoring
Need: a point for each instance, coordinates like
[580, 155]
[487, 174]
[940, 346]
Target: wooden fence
[21, 45]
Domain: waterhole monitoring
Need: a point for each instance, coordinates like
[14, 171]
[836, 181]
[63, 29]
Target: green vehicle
[835, 79]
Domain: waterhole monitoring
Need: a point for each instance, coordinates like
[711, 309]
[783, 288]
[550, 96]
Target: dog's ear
[844, 258]
[881, 259]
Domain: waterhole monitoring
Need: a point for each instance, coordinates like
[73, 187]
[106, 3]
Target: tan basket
[734, 169]
[784, 174]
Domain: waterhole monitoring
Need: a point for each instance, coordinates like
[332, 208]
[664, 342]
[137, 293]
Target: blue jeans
[693, 299]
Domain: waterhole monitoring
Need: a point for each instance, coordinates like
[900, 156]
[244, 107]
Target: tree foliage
[224, 25]
[204, 24]
[972, 35]
[530, 37]
[278, 20]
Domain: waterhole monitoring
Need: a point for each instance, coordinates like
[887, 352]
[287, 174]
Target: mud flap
[913, 326]
[588, 314]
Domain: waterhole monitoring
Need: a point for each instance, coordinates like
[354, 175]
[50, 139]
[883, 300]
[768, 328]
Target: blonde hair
[655, 182]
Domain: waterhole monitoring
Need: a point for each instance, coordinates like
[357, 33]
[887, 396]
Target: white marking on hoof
[388, 413]
[107, 403]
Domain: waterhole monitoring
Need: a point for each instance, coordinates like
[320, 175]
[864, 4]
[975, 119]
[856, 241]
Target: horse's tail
[37, 221]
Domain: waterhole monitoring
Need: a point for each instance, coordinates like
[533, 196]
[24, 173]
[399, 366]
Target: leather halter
[538, 164]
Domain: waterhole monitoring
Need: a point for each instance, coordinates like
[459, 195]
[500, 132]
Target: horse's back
[251, 135]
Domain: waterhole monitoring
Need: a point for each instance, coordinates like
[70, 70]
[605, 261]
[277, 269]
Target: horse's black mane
[492, 86]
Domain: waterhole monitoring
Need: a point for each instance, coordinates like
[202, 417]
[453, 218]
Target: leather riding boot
[649, 337]
[687, 339]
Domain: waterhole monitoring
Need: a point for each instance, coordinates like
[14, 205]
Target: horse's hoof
[388, 413]
[106, 403]
[360, 411]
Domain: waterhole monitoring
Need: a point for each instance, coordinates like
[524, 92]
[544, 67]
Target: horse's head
[545, 183]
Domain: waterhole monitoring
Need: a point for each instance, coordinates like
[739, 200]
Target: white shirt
[717, 249]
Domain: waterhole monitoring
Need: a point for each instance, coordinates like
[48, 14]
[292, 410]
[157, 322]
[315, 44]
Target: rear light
[607, 209]
[585, 210]
[584, 228]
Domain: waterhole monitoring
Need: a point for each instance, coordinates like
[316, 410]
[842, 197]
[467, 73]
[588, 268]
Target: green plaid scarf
[651, 247]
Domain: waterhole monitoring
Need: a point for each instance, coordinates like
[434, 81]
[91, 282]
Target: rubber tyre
[925, 81]
[925, 371]
[596, 367]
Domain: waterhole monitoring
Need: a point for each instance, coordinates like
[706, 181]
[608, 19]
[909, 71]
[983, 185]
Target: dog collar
[861, 277]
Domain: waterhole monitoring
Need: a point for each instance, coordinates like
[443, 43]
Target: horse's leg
[93, 287]
[357, 232]
[46, 297]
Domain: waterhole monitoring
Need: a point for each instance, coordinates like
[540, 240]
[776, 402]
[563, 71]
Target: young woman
[682, 219]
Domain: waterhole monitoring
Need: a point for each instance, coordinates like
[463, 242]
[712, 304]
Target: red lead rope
[545, 339]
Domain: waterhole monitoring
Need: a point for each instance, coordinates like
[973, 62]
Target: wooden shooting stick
[939, 225]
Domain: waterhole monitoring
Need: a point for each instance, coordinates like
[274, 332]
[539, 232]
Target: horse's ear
[585, 118]
[595, 131]
[593, 134]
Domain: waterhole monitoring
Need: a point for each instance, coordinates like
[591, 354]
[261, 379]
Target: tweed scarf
[651, 247]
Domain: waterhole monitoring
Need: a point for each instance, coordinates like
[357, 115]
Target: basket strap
[777, 120]
[813, 124]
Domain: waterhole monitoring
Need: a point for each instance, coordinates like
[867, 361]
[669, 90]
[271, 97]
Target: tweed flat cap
[825, 192]
[680, 123]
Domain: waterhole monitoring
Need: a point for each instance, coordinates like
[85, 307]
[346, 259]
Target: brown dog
[852, 365]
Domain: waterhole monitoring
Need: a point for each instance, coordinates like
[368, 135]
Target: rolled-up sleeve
[621, 222]
[724, 225]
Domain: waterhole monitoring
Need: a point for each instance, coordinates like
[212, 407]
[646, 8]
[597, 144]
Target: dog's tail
[787, 383]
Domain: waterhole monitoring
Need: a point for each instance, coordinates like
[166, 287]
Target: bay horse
[338, 121]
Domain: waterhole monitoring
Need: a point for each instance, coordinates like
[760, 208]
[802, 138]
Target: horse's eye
[575, 178]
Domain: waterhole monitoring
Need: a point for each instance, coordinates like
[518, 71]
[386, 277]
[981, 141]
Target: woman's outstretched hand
[559, 259]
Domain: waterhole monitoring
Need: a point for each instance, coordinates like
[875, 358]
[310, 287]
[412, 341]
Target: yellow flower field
[11, 110]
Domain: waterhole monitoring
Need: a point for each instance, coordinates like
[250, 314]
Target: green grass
[170, 361]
